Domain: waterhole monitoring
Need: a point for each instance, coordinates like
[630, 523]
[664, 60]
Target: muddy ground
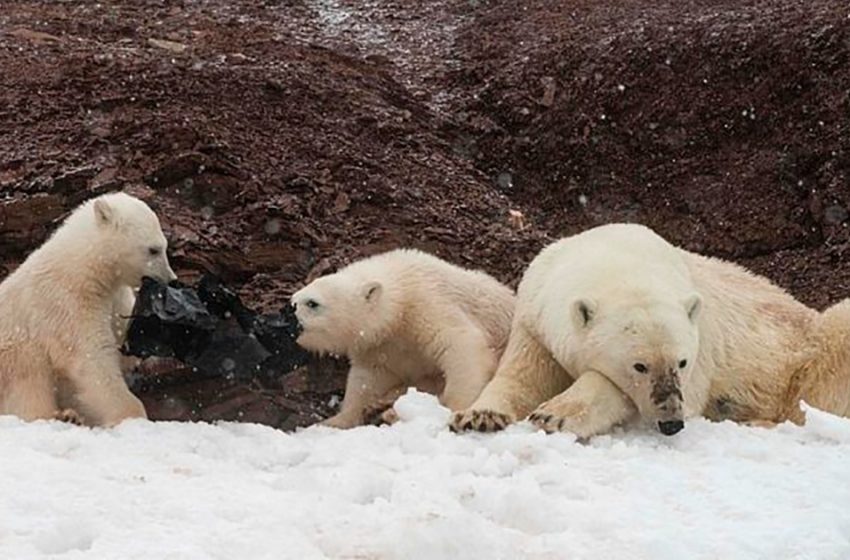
[280, 139]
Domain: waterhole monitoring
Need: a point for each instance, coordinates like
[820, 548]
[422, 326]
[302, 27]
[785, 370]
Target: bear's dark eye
[312, 304]
[682, 364]
[154, 251]
[640, 368]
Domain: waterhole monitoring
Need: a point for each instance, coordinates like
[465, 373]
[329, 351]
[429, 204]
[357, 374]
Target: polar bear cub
[59, 329]
[406, 318]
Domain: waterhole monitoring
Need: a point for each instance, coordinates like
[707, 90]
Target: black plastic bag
[211, 330]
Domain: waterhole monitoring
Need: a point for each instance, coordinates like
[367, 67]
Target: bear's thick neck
[94, 274]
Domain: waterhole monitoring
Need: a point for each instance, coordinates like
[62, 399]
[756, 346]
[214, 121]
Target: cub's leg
[69, 416]
[102, 394]
[592, 405]
[468, 364]
[381, 411]
[122, 308]
[29, 391]
[364, 388]
[527, 375]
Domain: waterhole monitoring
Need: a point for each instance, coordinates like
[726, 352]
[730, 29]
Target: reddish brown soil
[280, 139]
[725, 125]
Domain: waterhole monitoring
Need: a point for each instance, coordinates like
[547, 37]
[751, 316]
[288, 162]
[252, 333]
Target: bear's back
[603, 261]
[752, 333]
[427, 284]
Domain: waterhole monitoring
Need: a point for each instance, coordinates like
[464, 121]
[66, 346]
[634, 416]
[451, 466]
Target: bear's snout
[671, 427]
[666, 388]
[161, 272]
[667, 400]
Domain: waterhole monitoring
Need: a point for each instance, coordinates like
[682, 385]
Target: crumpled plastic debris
[209, 329]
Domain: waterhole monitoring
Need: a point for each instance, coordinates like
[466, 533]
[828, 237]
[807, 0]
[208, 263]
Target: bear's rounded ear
[583, 311]
[372, 291]
[693, 305]
[103, 212]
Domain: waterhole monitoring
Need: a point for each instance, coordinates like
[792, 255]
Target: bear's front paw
[565, 417]
[479, 421]
[381, 412]
[70, 416]
[341, 421]
[390, 416]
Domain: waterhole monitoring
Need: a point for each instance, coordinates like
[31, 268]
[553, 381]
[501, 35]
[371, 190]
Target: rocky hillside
[279, 139]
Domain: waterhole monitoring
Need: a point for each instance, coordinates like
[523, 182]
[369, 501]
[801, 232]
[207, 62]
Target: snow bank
[417, 491]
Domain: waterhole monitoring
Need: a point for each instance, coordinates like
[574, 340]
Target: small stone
[835, 215]
[549, 90]
[35, 36]
[516, 219]
[172, 46]
[342, 202]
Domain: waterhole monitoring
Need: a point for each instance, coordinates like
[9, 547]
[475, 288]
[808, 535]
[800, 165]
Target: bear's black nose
[670, 427]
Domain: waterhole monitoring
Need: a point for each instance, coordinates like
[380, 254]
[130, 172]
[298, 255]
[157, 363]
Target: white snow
[416, 491]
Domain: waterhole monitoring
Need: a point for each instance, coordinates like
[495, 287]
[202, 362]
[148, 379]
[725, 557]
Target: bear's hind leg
[381, 411]
[824, 382]
[592, 405]
[30, 396]
[468, 364]
[526, 376]
[365, 389]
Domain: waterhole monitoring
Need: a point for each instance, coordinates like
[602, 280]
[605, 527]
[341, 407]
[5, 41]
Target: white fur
[406, 318]
[64, 313]
[758, 352]
[600, 304]
[639, 291]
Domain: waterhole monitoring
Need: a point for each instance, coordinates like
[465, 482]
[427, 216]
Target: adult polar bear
[406, 318]
[617, 320]
[62, 314]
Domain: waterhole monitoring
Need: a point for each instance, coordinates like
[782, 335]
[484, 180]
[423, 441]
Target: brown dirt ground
[280, 139]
